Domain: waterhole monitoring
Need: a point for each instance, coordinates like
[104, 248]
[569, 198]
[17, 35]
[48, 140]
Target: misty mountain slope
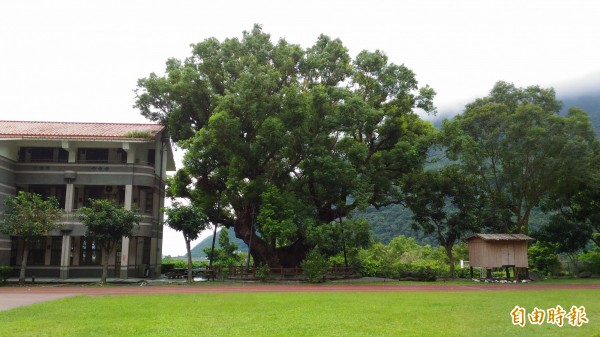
[588, 102]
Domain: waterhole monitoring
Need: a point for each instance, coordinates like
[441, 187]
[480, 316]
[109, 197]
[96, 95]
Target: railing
[90, 161]
[282, 273]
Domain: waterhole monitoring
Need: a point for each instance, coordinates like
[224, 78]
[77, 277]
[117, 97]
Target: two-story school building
[76, 162]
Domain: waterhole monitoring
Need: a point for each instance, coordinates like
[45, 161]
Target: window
[43, 155]
[149, 206]
[37, 252]
[92, 155]
[151, 157]
[46, 191]
[63, 156]
[90, 253]
[146, 250]
[56, 251]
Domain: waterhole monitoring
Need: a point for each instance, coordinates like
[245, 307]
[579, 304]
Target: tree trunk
[526, 221]
[263, 252]
[190, 275]
[212, 247]
[24, 262]
[450, 260]
[104, 265]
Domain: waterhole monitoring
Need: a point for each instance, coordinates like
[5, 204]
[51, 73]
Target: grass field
[479, 313]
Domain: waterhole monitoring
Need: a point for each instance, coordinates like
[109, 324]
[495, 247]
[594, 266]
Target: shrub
[5, 272]
[543, 258]
[423, 273]
[314, 267]
[137, 134]
[263, 272]
[590, 262]
[166, 267]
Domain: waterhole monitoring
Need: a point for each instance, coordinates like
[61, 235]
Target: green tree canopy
[226, 254]
[446, 205]
[521, 150]
[277, 134]
[29, 216]
[576, 219]
[190, 221]
[107, 224]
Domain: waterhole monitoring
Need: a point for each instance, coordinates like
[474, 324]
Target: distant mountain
[198, 250]
[588, 102]
[391, 221]
[586, 99]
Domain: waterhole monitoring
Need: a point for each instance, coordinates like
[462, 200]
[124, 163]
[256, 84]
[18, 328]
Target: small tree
[225, 255]
[190, 221]
[107, 224]
[29, 216]
[444, 204]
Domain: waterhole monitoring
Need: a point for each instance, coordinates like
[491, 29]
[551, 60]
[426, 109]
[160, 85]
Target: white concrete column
[65, 256]
[124, 258]
[125, 241]
[128, 197]
[69, 198]
[127, 147]
[71, 149]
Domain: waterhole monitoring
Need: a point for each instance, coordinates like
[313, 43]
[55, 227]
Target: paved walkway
[9, 301]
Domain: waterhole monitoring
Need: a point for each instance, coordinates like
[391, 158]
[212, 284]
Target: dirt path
[11, 297]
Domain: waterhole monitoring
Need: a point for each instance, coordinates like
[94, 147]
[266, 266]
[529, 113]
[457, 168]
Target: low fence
[281, 273]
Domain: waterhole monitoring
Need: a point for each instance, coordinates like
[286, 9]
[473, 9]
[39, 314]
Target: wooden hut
[498, 251]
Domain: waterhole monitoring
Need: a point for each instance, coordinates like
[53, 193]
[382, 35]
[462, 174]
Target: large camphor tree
[281, 140]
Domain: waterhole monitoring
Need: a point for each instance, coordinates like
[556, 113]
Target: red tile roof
[66, 130]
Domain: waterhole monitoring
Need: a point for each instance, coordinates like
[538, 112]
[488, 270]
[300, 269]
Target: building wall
[7, 188]
[143, 180]
[495, 254]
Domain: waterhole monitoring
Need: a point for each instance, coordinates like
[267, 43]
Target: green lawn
[480, 313]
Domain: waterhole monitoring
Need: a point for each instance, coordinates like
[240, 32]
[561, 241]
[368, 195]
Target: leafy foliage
[445, 204]
[107, 224]
[137, 134]
[5, 272]
[279, 137]
[543, 258]
[190, 221]
[591, 261]
[522, 151]
[198, 251]
[404, 257]
[225, 255]
[29, 216]
[315, 266]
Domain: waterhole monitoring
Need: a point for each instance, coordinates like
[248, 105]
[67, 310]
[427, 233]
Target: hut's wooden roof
[501, 237]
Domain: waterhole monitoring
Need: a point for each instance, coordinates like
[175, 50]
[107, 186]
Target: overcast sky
[80, 60]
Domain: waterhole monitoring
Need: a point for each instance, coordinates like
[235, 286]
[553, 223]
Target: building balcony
[86, 173]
